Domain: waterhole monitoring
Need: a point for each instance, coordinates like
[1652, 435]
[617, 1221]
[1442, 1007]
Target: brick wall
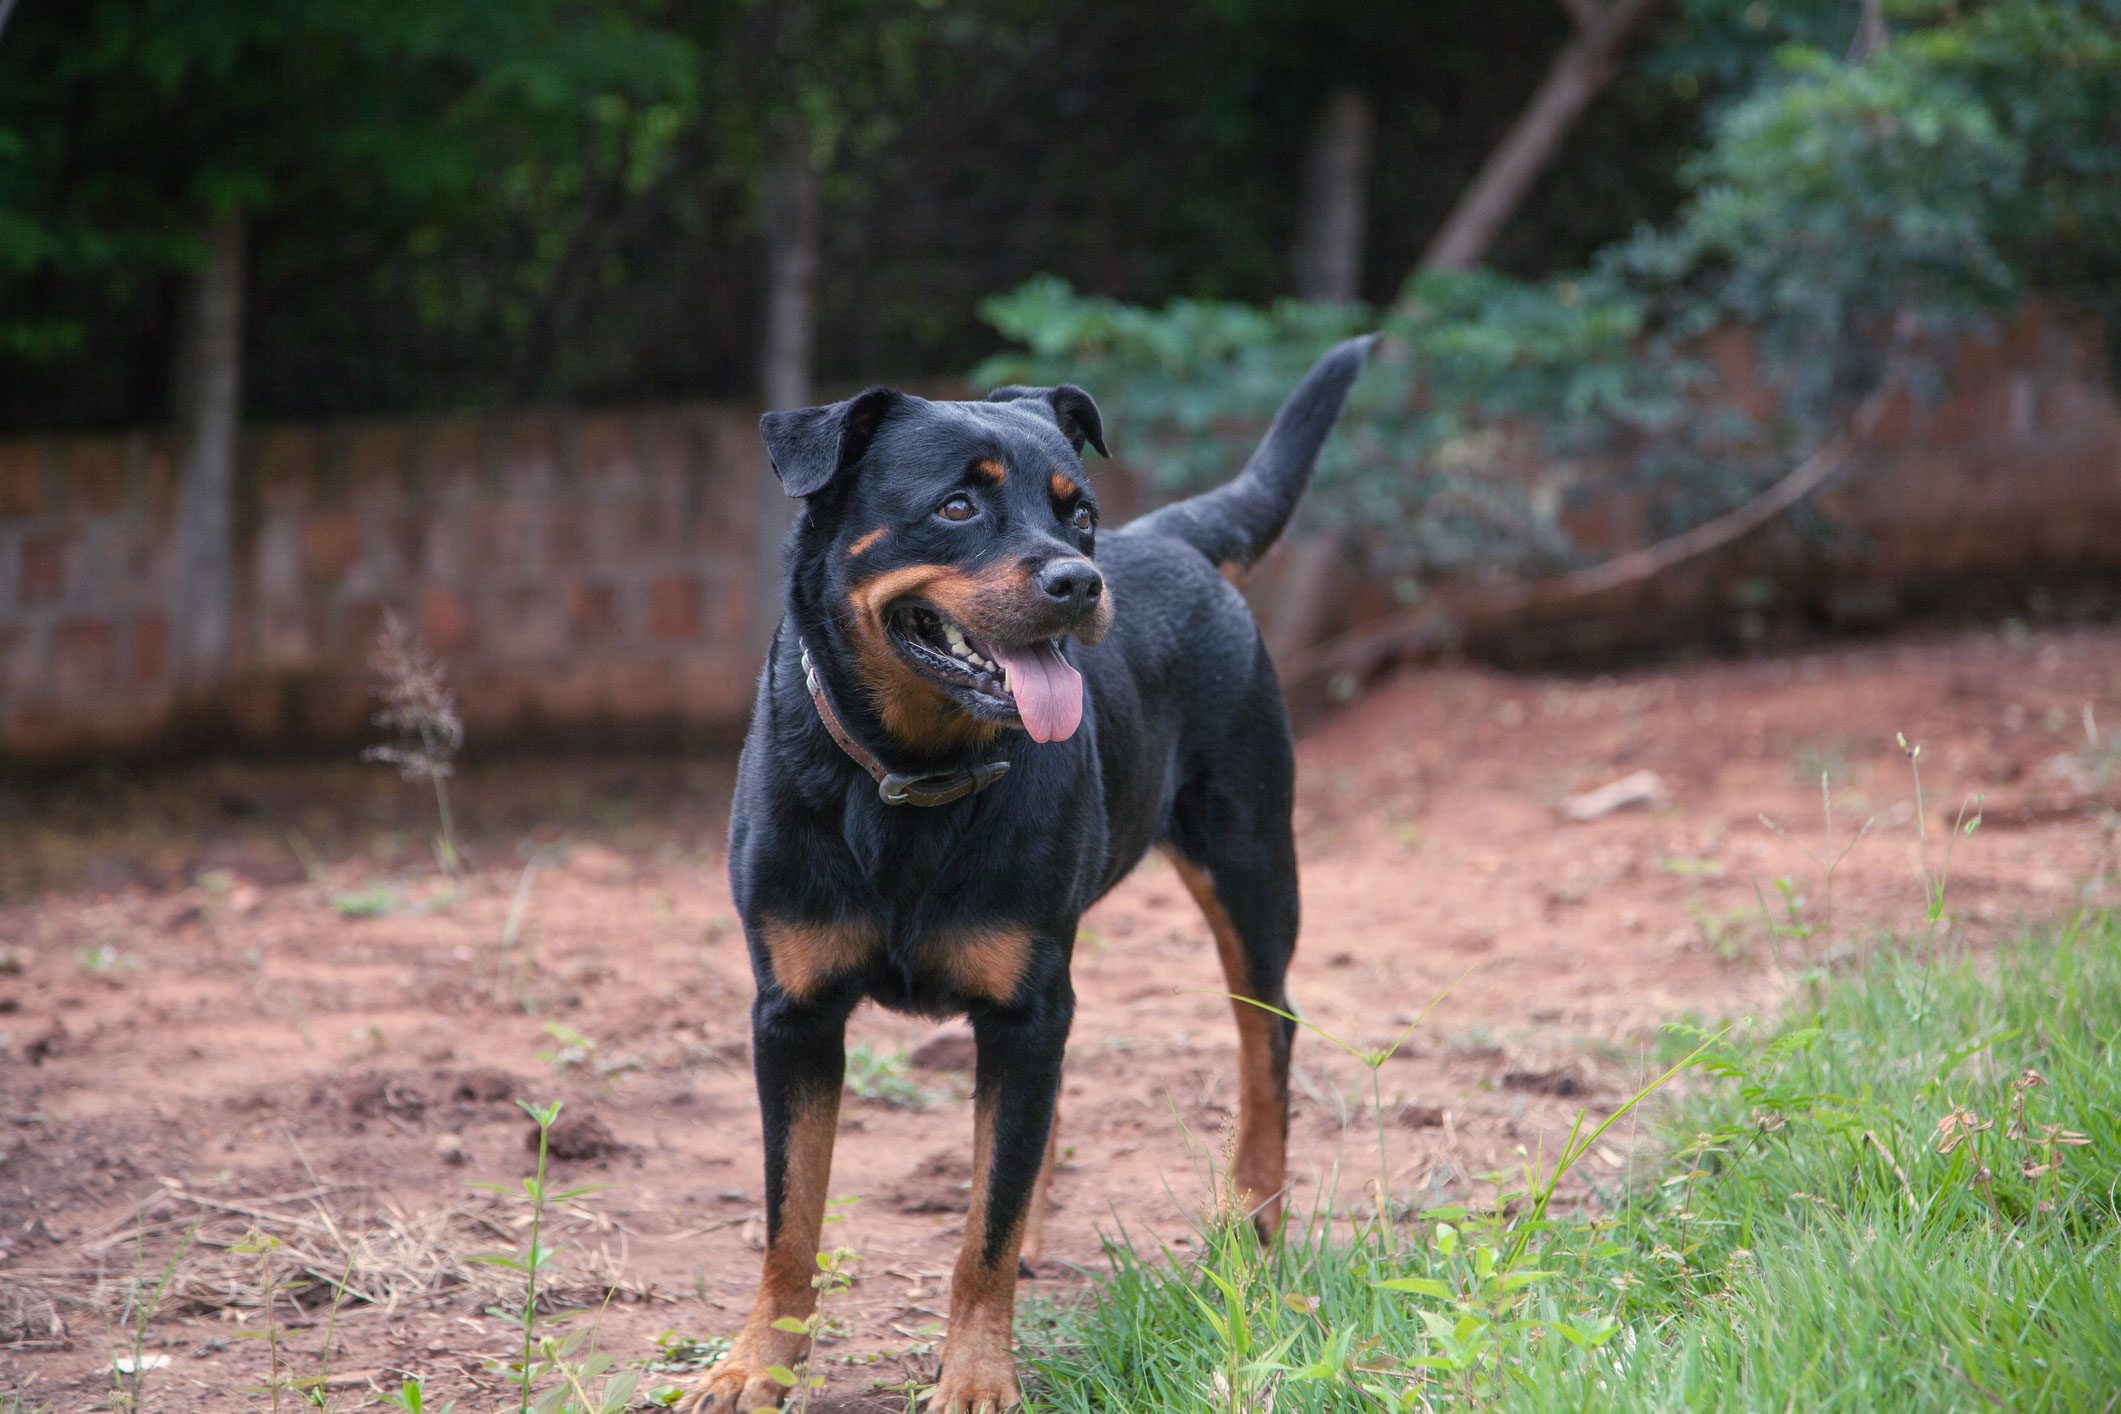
[575, 570]
[596, 572]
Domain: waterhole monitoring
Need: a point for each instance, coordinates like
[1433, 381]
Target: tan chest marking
[981, 962]
[807, 956]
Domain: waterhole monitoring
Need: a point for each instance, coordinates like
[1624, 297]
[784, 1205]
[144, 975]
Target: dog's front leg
[1017, 1086]
[798, 1054]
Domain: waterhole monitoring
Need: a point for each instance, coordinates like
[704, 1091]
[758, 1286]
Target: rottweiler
[979, 712]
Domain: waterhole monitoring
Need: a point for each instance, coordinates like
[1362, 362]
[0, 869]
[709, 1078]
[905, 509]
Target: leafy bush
[1858, 218]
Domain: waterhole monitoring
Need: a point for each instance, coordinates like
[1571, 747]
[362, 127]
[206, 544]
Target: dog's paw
[732, 1388]
[986, 1386]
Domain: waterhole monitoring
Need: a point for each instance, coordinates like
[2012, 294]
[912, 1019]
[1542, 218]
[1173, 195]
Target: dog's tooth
[952, 632]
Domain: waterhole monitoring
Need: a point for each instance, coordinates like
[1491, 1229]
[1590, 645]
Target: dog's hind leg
[799, 1056]
[1236, 852]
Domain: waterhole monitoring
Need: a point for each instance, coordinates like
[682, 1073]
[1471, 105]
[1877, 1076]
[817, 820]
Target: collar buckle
[939, 787]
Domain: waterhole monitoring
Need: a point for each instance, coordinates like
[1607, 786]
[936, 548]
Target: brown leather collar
[897, 787]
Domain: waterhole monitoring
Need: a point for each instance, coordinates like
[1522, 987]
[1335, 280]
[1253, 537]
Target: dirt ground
[245, 998]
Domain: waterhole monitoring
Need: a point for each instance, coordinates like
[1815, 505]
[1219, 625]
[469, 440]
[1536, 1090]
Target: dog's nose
[1073, 582]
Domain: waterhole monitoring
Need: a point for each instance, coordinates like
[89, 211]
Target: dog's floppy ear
[1072, 409]
[811, 446]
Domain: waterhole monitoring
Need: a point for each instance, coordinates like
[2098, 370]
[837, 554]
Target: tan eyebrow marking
[1063, 487]
[867, 541]
[992, 469]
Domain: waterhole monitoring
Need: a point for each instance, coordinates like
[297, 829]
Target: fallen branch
[1430, 628]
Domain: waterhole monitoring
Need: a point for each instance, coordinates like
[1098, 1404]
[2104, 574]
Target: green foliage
[1857, 217]
[576, 1376]
[458, 203]
[884, 1075]
[1895, 1199]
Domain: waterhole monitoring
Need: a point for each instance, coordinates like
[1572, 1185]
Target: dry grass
[331, 1237]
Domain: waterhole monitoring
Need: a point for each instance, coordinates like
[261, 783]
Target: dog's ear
[1072, 409]
[812, 446]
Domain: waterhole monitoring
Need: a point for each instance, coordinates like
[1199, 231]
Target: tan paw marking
[734, 1389]
[979, 1387]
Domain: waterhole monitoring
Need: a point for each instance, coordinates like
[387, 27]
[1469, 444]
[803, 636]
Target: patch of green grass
[885, 1075]
[1903, 1196]
[374, 901]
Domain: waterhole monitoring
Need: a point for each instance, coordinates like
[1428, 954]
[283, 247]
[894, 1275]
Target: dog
[979, 712]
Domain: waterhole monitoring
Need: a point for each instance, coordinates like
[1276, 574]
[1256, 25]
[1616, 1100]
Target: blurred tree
[1331, 209]
[1580, 72]
[1859, 216]
[152, 142]
[595, 239]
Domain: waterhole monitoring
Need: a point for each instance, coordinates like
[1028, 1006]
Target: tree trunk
[1582, 69]
[1328, 256]
[207, 388]
[792, 235]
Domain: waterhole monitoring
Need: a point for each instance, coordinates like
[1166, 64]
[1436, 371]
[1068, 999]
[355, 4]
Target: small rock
[1641, 788]
[45, 1044]
[595, 864]
[369, 1096]
[576, 1135]
[483, 1087]
[1562, 1083]
[449, 1148]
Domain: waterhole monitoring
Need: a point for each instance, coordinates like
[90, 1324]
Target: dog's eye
[1083, 520]
[958, 507]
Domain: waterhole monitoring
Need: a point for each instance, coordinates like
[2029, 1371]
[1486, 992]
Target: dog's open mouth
[1031, 682]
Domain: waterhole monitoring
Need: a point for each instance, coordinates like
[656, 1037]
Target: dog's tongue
[1047, 689]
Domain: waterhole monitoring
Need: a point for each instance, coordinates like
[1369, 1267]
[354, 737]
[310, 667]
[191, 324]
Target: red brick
[360, 629]
[729, 599]
[456, 447]
[638, 689]
[95, 475]
[674, 607]
[532, 624]
[408, 542]
[21, 478]
[714, 685]
[44, 568]
[490, 694]
[375, 459]
[567, 535]
[284, 462]
[650, 525]
[567, 691]
[158, 479]
[330, 545]
[150, 650]
[593, 613]
[16, 672]
[446, 621]
[606, 448]
[531, 445]
[84, 660]
[508, 538]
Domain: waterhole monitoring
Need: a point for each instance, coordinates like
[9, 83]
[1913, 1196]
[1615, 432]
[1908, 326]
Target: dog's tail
[1235, 523]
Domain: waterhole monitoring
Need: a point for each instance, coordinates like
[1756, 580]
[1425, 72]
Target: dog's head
[951, 546]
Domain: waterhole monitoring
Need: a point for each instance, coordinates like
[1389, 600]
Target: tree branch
[1430, 627]
[1580, 71]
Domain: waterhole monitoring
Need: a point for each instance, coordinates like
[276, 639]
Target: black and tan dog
[938, 782]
